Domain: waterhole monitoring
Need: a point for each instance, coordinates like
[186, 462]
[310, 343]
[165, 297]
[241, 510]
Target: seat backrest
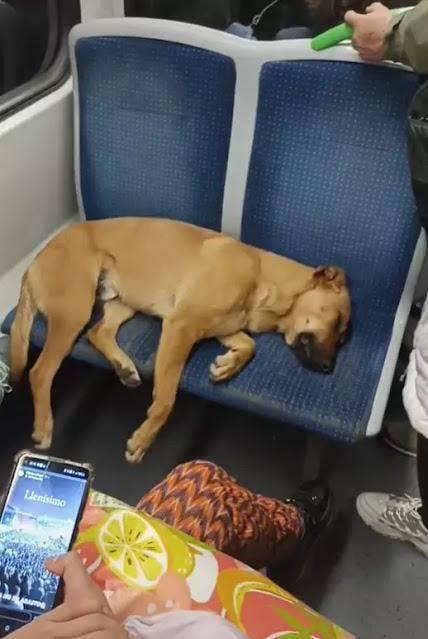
[155, 123]
[298, 152]
[328, 179]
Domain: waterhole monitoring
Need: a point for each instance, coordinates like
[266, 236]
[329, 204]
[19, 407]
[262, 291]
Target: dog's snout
[327, 367]
[312, 356]
[320, 367]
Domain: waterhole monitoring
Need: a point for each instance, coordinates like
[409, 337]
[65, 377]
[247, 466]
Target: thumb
[77, 583]
[353, 18]
[69, 567]
[375, 6]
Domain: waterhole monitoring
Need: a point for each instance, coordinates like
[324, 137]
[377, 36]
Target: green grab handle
[332, 37]
[342, 32]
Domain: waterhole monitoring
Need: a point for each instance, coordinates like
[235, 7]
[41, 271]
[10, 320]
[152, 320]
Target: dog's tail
[21, 329]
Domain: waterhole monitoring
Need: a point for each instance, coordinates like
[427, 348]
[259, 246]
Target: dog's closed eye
[305, 341]
[306, 338]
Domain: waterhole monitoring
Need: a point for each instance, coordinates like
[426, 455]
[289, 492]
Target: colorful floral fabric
[146, 567]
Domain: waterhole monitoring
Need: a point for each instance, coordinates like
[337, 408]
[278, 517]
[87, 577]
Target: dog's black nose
[327, 367]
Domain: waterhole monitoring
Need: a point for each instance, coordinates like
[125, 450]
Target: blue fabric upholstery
[149, 146]
[328, 183]
[272, 385]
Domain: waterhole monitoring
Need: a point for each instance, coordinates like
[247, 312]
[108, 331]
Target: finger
[116, 633]
[353, 18]
[77, 583]
[368, 55]
[356, 44]
[59, 565]
[82, 626]
[361, 44]
[101, 635]
[67, 612]
[361, 50]
[375, 6]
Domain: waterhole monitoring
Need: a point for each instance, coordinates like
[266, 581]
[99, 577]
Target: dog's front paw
[128, 375]
[224, 367]
[135, 449]
[135, 457]
[42, 439]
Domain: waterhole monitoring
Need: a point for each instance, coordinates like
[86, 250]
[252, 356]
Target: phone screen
[39, 520]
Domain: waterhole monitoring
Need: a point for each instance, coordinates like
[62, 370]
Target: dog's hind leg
[177, 339]
[20, 332]
[242, 349]
[103, 337]
[64, 325]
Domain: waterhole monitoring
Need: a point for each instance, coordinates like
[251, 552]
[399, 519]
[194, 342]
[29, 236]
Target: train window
[33, 48]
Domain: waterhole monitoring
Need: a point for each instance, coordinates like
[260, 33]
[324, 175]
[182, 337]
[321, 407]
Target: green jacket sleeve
[408, 42]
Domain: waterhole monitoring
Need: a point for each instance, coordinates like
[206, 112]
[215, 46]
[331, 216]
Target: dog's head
[318, 322]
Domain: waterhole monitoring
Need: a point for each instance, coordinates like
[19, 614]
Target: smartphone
[39, 518]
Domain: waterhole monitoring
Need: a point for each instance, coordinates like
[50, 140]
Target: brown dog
[201, 283]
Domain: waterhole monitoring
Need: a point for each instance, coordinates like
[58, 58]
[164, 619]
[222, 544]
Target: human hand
[84, 613]
[371, 31]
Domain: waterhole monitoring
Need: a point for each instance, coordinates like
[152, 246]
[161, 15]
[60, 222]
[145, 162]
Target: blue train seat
[300, 153]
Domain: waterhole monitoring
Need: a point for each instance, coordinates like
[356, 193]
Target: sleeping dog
[161, 268]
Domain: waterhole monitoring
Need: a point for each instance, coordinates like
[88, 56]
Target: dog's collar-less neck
[277, 298]
[289, 276]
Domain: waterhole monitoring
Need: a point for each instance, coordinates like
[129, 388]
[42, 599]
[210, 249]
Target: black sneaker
[315, 500]
[316, 503]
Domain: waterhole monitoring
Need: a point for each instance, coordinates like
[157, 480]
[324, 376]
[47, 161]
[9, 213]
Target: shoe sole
[398, 448]
[392, 534]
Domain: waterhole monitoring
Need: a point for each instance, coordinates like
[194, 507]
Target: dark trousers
[423, 476]
[9, 48]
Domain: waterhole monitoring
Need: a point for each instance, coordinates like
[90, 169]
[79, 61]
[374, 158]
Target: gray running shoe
[4, 366]
[394, 517]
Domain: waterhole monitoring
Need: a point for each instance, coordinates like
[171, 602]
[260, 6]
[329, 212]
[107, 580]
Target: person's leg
[202, 500]
[423, 477]
[294, 33]
[403, 518]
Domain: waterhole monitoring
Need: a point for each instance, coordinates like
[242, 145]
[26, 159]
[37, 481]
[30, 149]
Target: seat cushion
[165, 565]
[273, 385]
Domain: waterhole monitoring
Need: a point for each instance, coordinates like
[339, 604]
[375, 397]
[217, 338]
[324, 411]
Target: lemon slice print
[132, 549]
[181, 559]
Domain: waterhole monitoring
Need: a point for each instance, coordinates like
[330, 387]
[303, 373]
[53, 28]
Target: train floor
[370, 585]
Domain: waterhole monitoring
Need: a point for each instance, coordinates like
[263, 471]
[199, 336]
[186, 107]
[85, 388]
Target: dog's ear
[330, 276]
